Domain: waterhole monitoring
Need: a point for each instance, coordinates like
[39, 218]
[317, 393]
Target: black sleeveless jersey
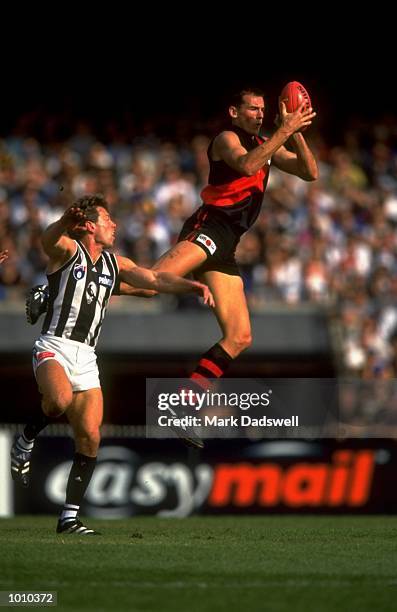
[239, 197]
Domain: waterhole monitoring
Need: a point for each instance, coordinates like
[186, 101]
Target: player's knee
[88, 440]
[55, 407]
[242, 341]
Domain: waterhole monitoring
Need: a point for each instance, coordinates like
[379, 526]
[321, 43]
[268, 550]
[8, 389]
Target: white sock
[69, 512]
[24, 444]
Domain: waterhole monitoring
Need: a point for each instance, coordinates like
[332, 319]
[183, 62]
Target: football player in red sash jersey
[239, 167]
[240, 162]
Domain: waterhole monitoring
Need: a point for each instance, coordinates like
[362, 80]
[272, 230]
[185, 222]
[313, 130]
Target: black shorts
[211, 231]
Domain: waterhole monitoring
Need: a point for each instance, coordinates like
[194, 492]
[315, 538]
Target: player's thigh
[231, 308]
[183, 258]
[85, 414]
[52, 380]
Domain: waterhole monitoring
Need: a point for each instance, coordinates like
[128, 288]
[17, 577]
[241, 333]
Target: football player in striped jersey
[82, 274]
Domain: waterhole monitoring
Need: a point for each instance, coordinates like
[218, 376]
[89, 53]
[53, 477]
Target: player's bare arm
[126, 289]
[301, 162]
[227, 145]
[3, 256]
[55, 240]
[162, 282]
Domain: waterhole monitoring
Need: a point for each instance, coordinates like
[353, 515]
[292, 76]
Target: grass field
[208, 563]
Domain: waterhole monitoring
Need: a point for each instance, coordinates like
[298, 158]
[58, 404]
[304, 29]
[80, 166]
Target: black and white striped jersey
[79, 295]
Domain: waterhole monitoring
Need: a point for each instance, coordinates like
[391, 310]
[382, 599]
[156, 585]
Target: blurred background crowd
[332, 242]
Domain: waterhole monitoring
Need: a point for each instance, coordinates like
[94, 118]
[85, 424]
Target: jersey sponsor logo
[44, 355]
[79, 271]
[207, 242]
[105, 280]
[91, 292]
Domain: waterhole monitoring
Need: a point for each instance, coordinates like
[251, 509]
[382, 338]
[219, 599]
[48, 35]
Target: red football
[293, 94]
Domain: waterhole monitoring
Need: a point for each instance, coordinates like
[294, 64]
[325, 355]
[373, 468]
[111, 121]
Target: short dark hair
[89, 205]
[236, 99]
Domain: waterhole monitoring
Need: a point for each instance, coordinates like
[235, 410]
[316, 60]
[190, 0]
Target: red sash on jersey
[235, 191]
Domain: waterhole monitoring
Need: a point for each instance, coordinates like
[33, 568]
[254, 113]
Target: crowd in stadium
[332, 241]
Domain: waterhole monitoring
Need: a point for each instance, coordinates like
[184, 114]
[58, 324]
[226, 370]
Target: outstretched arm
[126, 289]
[227, 145]
[162, 282]
[3, 256]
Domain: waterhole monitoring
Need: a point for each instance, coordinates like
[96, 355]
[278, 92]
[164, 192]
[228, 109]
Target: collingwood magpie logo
[91, 292]
[79, 271]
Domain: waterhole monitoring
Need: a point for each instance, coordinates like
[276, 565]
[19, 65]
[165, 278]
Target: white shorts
[77, 359]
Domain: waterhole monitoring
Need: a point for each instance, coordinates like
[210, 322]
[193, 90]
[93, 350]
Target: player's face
[249, 115]
[105, 228]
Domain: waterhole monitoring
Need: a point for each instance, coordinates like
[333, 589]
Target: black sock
[35, 426]
[213, 364]
[79, 479]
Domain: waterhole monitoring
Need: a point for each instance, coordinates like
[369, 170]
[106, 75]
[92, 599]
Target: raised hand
[297, 121]
[3, 256]
[74, 217]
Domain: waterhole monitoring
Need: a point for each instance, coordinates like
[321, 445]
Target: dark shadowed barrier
[300, 330]
[163, 478]
[288, 341]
